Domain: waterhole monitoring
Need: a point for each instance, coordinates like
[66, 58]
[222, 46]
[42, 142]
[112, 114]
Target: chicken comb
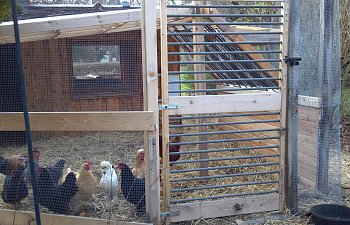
[88, 162]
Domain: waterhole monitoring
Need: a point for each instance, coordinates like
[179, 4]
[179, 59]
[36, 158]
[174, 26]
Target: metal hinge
[293, 61]
[169, 214]
[163, 107]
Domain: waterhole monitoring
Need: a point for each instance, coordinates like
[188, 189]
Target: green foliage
[187, 86]
[5, 10]
[345, 107]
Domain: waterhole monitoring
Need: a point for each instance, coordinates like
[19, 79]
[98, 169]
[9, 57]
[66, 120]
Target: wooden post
[165, 113]
[150, 90]
[199, 86]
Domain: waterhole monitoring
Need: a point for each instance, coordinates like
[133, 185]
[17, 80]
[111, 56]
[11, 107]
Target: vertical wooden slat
[199, 86]
[283, 190]
[165, 113]
[149, 53]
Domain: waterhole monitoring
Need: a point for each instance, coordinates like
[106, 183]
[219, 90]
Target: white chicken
[109, 181]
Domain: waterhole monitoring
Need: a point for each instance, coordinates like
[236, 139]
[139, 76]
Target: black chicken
[133, 188]
[54, 196]
[4, 166]
[15, 189]
[56, 170]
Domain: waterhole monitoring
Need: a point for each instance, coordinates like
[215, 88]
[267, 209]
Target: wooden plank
[308, 140]
[307, 171]
[307, 158]
[308, 128]
[307, 182]
[76, 25]
[165, 113]
[309, 101]
[309, 113]
[283, 83]
[220, 208]
[79, 121]
[226, 103]
[150, 90]
[10, 217]
[244, 47]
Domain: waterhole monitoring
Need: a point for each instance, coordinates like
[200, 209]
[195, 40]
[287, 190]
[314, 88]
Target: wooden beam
[220, 208]
[79, 121]
[244, 47]
[150, 90]
[10, 217]
[165, 113]
[76, 25]
[226, 103]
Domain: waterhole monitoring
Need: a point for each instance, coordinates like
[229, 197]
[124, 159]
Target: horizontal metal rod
[224, 176]
[226, 89]
[224, 150]
[223, 140]
[226, 52]
[223, 132]
[223, 186]
[225, 15]
[224, 61]
[222, 196]
[222, 115]
[224, 159]
[224, 167]
[222, 80]
[228, 6]
[221, 71]
[223, 123]
[224, 23]
[225, 33]
[226, 43]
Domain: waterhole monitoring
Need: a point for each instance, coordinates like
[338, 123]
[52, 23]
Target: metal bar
[224, 61]
[226, 33]
[222, 140]
[221, 80]
[225, 23]
[223, 196]
[227, 6]
[223, 123]
[224, 15]
[227, 43]
[225, 52]
[225, 150]
[222, 71]
[226, 89]
[225, 167]
[224, 159]
[223, 186]
[224, 176]
[224, 115]
[223, 132]
[24, 98]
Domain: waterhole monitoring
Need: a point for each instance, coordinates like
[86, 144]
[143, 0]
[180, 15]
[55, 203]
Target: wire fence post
[25, 111]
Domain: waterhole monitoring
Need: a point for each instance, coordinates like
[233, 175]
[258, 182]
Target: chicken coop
[167, 111]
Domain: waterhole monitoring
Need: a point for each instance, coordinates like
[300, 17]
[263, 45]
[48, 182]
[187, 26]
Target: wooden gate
[223, 108]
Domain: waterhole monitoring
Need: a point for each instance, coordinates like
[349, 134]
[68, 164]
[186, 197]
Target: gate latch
[293, 61]
[169, 214]
[164, 107]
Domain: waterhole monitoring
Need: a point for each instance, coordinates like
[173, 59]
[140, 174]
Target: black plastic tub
[330, 214]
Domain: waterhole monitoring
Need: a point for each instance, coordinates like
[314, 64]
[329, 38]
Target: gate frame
[284, 185]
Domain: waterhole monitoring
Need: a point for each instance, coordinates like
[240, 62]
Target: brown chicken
[173, 148]
[87, 184]
[13, 163]
[139, 168]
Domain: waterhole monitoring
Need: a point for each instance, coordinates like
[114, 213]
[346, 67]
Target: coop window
[96, 70]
